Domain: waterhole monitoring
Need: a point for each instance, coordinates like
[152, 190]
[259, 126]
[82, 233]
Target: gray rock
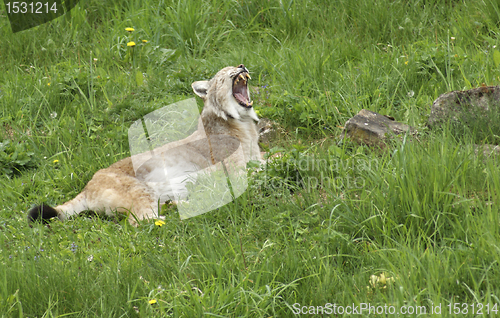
[461, 105]
[268, 130]
[374, 129]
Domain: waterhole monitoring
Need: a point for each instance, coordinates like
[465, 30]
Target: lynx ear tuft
[200, 88]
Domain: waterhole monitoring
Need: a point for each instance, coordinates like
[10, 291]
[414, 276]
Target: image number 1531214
[30, 7]
[27, 14]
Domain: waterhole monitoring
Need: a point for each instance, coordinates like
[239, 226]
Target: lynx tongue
[242, 98]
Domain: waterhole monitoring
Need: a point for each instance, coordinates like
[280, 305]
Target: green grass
[316, 224]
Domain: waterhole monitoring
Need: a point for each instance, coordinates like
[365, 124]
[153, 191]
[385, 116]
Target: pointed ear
[200, 88]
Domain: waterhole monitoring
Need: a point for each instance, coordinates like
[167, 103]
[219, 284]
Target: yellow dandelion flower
[406, 62]
[55, 161]
[132, 44]
[159, 222]
[129, 29]
[144, 41]
[152, 301]
[48, 84]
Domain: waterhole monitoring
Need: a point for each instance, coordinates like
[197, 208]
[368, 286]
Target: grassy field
[329, 222]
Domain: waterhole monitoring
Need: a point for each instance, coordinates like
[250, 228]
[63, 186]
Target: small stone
[373, 129]
[268, 130]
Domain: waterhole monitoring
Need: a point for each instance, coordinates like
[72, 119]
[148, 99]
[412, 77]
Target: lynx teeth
[243, 78]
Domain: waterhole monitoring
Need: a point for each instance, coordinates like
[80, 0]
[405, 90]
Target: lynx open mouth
[240, 89]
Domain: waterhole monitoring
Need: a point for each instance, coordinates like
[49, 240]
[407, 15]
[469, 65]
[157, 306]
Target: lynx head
[227, 94]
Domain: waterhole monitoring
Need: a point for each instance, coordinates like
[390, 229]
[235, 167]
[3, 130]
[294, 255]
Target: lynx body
[227, 116]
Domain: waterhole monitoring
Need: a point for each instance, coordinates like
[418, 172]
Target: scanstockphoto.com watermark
[364, 309]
